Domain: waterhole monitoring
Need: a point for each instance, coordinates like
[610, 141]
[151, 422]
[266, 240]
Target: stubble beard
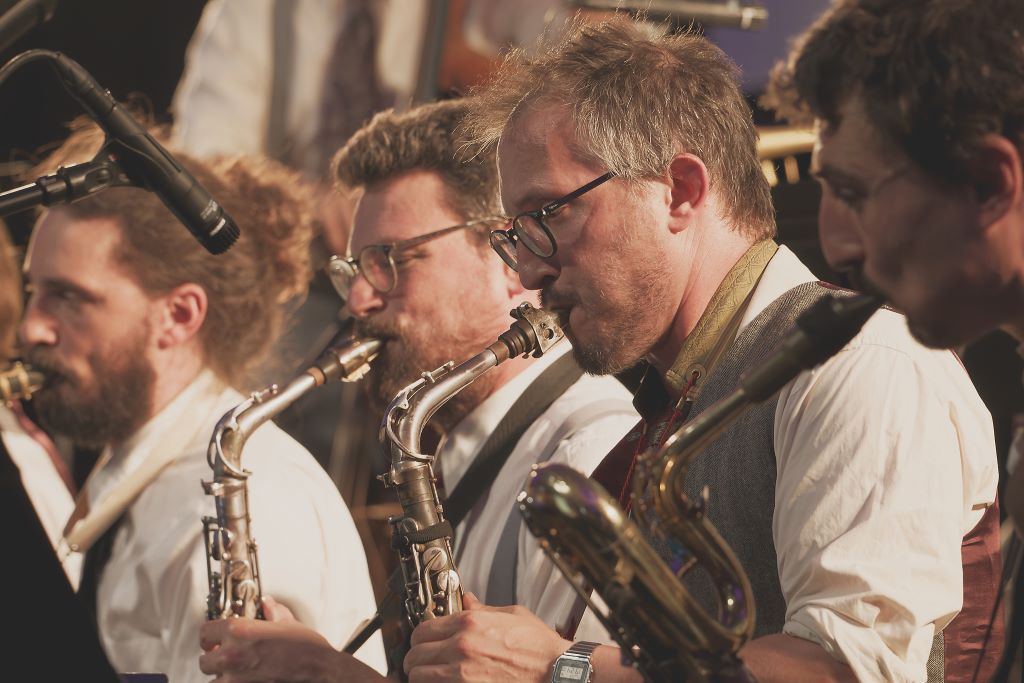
[622, 329]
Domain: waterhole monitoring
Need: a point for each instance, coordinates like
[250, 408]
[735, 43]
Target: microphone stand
[68, 184]
[22, 17]
[734, 13]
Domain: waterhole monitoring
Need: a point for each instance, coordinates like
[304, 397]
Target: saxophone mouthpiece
[347, 357]
[534, 331]
[18, 382]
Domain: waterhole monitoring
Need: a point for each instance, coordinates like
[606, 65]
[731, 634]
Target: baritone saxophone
[421, 534]
[659, 625]
[231, 552]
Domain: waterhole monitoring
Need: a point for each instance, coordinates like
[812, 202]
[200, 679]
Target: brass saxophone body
[231, 551]
[652, 616]
[421, 535]
[18, 381]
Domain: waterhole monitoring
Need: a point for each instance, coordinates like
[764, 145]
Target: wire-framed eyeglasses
[376, 262]
[531, 228]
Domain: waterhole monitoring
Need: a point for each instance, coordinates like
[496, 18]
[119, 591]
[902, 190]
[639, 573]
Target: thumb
[275, 611]
[470, 601]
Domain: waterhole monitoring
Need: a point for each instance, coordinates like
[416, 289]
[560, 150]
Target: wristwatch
[574, 665]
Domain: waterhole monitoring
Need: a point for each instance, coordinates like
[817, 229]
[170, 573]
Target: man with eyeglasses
[423, 279]
[628, 160]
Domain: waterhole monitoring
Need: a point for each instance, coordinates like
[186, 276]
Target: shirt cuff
[863, 649]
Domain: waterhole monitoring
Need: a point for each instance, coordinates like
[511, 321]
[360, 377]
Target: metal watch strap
[574, 665]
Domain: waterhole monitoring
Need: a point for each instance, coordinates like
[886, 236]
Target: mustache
[45, 361]
[378, 329]
[550, 299]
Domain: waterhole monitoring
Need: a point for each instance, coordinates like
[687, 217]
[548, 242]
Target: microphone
[146, 163]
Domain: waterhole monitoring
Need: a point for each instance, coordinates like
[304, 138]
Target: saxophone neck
[346, 358]
[534, 331]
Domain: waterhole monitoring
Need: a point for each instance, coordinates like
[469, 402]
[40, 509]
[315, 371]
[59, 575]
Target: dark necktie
[352, 93]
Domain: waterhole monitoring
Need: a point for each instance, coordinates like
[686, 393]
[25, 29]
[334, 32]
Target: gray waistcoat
[740, 469]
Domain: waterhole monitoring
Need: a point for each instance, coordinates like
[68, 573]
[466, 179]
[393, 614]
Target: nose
[535, 272]
[363, 300]
[841, 238]
[37, 328]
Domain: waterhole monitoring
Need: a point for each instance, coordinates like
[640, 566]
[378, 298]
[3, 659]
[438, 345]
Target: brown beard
[109, 411]
[400, 364]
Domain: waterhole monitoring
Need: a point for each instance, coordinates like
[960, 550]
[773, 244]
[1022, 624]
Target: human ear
[996, 177]
[181, 314]
[688, 179]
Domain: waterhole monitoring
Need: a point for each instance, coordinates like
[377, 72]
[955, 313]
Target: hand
[279, 650]
[483, 643]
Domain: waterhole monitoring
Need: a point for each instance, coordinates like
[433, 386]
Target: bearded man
[422, 279]
[142, 334]
[628, 160]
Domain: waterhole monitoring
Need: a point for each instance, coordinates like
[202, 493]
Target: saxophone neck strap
[537, 398]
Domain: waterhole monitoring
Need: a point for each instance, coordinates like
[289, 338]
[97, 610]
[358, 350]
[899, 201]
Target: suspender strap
[502, 581]
[537, 398]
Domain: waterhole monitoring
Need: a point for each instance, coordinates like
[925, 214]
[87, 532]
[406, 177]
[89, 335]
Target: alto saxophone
[421, 535]
[231, 559]
[666, 632]
[18, 381]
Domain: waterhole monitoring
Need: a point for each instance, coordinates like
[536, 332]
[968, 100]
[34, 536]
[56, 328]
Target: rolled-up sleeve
[885, 459]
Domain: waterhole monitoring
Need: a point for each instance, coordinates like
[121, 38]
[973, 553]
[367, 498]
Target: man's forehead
[535, 153]
[67, 242]
[401, 208]
[66, 252]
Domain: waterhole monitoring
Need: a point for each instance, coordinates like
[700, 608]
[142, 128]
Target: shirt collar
[783, 272]
[179, 414]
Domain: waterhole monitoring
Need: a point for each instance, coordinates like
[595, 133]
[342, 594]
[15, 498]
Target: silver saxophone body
[421, 535]
[666, 632]
[231, 552]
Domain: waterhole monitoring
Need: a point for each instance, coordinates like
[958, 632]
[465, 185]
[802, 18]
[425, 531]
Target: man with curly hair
[919, 107]
[143, 337]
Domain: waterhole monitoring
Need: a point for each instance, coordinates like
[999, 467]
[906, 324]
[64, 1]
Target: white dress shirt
[886, 458]
[222, 103]
[539, 585]
[49, 494]
[152, 594]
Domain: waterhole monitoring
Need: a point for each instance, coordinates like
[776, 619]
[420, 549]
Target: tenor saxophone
[666, 632]
[421, 535]
[19, 381]
[231, 553]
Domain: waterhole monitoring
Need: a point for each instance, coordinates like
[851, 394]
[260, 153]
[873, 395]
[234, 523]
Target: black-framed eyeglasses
[376, 262]
[532, 230]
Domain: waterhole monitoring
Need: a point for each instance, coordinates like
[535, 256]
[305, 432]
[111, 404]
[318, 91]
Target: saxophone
[231, 561]
[421, 535]
[666, 632]
[18, 381]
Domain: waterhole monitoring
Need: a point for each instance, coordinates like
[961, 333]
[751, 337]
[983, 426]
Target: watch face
[571, 671]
